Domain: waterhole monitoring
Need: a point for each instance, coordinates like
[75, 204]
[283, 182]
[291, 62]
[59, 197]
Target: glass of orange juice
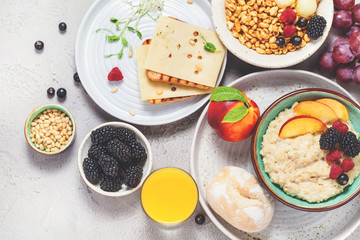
[169, 196]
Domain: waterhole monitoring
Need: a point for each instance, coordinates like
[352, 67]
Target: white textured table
[44, 197]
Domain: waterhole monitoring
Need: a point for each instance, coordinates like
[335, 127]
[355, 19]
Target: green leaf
[210, 47]
[131, 29]
[113, 38]
[114, 20]
[222, 93]
[124, 41]
[139, 34]
[235, 114]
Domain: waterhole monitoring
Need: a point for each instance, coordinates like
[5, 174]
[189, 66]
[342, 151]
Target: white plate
[209, 154]
[325, 9]
[93, 68]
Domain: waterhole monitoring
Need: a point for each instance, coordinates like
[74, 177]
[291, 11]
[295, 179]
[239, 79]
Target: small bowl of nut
[50, 129]
[272, 33]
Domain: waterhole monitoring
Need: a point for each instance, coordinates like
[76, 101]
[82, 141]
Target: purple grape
[344, 73]
[344, 4]
[356, 13]
[341, 40]
[343, 54]
[342, 20]
[327, 63]
[356, 73]
[355, 44]
[352, 30]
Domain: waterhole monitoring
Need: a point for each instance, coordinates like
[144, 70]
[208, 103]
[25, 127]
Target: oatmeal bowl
[305, 149]
[272, 33]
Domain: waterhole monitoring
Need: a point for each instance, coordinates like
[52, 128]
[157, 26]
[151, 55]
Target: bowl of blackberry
[114, 159]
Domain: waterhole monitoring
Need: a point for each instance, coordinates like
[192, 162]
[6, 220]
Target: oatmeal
[298, 164]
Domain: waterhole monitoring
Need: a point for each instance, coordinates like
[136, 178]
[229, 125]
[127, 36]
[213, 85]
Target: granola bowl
[261, 59]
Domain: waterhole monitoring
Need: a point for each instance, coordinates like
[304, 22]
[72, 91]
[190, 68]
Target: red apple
[232, 131]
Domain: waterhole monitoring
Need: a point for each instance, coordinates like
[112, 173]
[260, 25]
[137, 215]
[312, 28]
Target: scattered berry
[333, 156]
[76, 77]
[341, 127]
[302, 22]
[289, 30]
[347, 165]
[316, 27]
[62, 26]
[115, 75]
[119, 150]
[109, 165]
[335, 171]
[296, 41]
[133, 176]
[39, 45]
[61, 93]
[96, 151]
[51, 91]
[343, 179]
[349, 144]
[329, 138]
[92, 170]
[110, 184]
[200, 219]
[288, 16]
[103, 135]
[280, 41]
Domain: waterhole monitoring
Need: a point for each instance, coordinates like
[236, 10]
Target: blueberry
[62, 26]
[51, 91]
[343, 179]
[296, 40]
[302, 22]
[280, 41]
[39, 45]
[200, 219]
[61, 92]
[76, 77]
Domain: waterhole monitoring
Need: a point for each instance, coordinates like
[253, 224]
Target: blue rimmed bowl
[286, 101]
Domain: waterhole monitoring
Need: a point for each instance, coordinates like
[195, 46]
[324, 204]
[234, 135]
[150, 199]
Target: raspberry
[289, 30]
[335, 171]
[288, 16]
[115, 75]
[333, 156]
[347, 165]
[341, 127]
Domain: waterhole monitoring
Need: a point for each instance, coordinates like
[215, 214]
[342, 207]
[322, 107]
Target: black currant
[280, 41]
[296, 40]
[200, 219]
[39, 45]
[51, 91]
[62, 26]
[343, 179]
[76, 77]
[302, 22]
[61, 92]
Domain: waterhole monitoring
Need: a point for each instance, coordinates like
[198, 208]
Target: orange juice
[169, 196]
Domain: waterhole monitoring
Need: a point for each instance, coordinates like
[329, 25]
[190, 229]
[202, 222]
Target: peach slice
[301, 125]
[317, 110]
[338, 108]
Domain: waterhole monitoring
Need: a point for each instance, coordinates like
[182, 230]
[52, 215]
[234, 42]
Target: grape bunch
[344, 59]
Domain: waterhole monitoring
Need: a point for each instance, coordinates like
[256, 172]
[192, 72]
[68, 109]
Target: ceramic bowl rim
[35, 112]
[255, 159]
[149, 159]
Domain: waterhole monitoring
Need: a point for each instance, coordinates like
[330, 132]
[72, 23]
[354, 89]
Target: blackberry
[119, 150]
[96, 151]
[126, 135]
[133, 176]
[316, 27]
[103, 135]
[109, 165]
[110, 184]
[92, 170]
[349, 144]
[138, 152]
[329, 138]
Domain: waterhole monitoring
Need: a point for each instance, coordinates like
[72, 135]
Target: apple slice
[338, 108]
[301, 125]
[317, 110]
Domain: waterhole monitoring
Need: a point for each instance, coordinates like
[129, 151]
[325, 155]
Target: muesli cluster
[273, 27]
